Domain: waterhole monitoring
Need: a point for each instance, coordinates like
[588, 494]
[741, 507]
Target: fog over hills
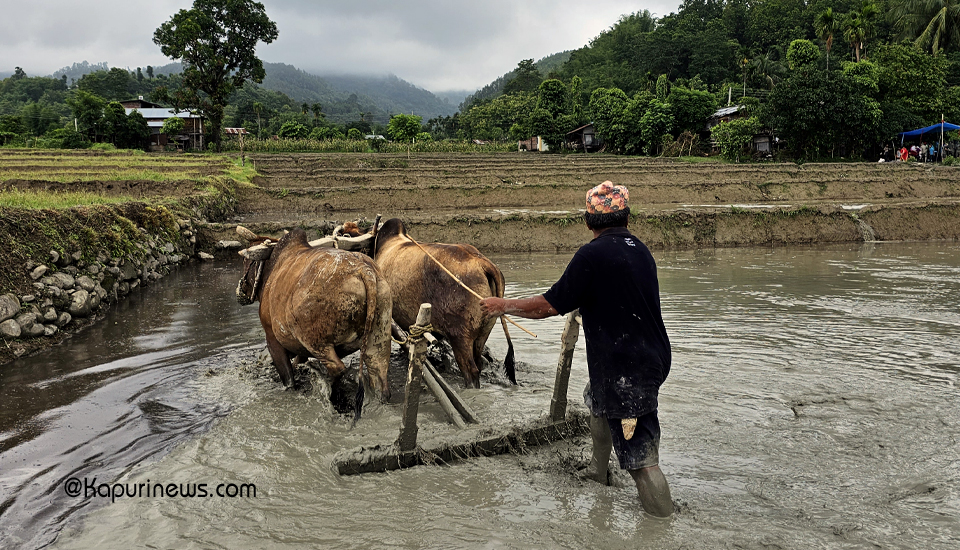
[384, 95]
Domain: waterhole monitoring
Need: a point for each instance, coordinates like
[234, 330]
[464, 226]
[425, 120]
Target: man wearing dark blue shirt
[613, 282]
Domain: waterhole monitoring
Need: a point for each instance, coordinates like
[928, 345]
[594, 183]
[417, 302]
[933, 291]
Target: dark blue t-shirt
[613, 280]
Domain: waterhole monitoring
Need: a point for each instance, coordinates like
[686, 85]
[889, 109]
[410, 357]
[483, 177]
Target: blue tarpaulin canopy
[928, 129]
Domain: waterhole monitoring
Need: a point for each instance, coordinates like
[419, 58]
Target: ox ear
[246, 233]
[258, 253]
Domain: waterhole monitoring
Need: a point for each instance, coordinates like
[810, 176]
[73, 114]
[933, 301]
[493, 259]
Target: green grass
[710, 160]
[45, 200]
[72, 166]
[242, 174]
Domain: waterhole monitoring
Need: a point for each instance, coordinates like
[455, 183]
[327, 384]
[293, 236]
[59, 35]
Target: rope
[415, 335]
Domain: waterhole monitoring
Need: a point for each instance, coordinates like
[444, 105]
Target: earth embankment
[529, 201]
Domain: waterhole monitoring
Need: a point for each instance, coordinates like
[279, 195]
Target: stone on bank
[66, 289]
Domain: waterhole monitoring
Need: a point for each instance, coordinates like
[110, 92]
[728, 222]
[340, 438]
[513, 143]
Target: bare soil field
[529, 201]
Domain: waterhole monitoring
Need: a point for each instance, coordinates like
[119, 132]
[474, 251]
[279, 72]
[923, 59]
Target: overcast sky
[437, 45]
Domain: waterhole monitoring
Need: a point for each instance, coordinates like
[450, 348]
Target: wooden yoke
[568, 341]
[411, 399]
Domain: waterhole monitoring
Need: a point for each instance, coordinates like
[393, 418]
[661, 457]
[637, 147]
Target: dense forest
[63, 110]
[828, 78]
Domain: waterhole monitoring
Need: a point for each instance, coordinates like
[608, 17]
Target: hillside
[343, 97]
[547, 65]
[378, 96]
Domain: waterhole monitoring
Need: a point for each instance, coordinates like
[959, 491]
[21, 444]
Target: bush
[735, 137]
[294, 130]
[103, 147]
[68, 138]
[949, 160]
[377, 144]
[320, 133]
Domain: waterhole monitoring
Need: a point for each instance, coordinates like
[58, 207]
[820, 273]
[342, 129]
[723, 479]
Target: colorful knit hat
[606, 198]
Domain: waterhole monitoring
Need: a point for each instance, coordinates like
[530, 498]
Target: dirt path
[528, 201]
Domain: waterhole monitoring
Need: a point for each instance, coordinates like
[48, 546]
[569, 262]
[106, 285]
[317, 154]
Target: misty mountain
[389, 94]
[343, 96]
[546, 65]
[75, 71]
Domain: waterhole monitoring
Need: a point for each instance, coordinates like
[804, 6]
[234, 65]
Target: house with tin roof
[190, 138]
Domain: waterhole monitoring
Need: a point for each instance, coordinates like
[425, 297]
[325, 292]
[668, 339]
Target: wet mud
[811, 404]
[532, 202]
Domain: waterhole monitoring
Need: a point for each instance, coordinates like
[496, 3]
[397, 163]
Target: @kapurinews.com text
[89, 488]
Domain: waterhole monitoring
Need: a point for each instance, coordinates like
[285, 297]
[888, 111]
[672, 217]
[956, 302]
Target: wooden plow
[557, 425]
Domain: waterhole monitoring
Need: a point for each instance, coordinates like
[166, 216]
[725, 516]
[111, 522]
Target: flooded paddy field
[812, 403]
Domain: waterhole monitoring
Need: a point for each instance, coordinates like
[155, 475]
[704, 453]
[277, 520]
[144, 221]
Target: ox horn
[258, 253]
[246, 233]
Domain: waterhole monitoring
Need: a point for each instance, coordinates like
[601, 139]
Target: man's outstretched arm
[536, 307]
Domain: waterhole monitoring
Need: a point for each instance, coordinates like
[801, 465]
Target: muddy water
[812, 404]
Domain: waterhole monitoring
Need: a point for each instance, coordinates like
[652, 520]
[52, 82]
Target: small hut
[583, 139]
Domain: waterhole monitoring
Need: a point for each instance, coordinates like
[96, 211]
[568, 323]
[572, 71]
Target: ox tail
[370, 286]
[497, 286]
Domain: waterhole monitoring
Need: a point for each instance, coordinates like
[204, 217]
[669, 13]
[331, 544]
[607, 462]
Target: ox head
[391, 229]
[254, 258]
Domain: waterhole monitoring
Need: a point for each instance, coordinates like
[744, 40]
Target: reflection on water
[812, 404]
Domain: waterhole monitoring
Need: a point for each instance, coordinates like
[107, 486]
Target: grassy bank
[103, 203]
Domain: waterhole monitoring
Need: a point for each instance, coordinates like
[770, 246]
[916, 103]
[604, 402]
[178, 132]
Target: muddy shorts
[643, 449]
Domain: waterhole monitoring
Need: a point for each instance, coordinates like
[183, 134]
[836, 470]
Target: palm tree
[935, 24]
[767, 69]
[827, 25]
[258, 108]
[855, 31]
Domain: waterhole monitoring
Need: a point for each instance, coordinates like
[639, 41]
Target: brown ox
[415, 279]
[319, 302]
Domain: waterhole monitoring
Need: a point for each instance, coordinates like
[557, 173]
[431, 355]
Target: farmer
[613, 281]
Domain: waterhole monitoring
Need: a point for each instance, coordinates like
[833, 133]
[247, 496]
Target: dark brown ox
[319, 302]
[415, 279]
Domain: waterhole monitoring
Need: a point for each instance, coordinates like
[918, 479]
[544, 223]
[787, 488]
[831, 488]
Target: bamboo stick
[458, 411]
[452, 413]
[407, 441]
[470, 290]
[568, 341]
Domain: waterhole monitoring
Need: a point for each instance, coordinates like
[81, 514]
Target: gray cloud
[434, 44]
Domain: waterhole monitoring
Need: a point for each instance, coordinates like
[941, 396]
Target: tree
[855, 31]
[827, 25]
[550, 119]
[690, 108]
[819, 116]
[87, 110]
[137, 131]
[656, 121]
[172, 127]
[216, 42]
[802, 54]
[935, 24]
[663, 87]
[258, 109]
[610, 117]
[735, 137]
[765, 69]
[913, 79]
[293, 130]
[150, 72]
[526, 78]
[404, 128]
